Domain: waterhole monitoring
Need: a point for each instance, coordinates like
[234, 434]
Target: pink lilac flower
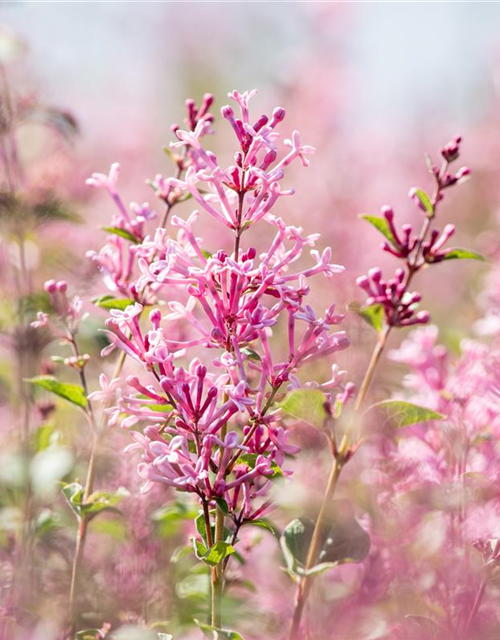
[208, 386]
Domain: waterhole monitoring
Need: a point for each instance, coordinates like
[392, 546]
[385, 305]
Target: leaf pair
[97, 502]
[215, 554]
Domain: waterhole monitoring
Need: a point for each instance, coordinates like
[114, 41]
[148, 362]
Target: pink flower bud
[277, 116]
[62, 286]
[50, 286]
[387, 212]
[375, 274]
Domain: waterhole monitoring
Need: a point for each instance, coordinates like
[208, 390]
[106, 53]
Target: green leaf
[250, 459]
[381, 225]
[104, 501]
[73, 493]
[307, 405]
[110, 302]
[206, 254]
[374, 314]
[223, 506]
[123, 233]
[403, 414]
[214, 633]
[262, 524]
[425, 201]
[218, 552]
[43, 437]
[215, 554]
[463, 254]
[200, 549]
[253, 355]
[71, 392]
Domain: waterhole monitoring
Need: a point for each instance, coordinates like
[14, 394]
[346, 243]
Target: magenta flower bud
[201, 371]
[400, 274]
[133, 381]
[451, 150]
[50, 286]
[277, 116]
[449, 230]
[362, 282]
[251, 253]
[207, 102]
[62, 286]
[227, 112]
[269, 158]
[375, 274]
[387, 212]
[462, 174]
[423, 317]
[260, 122]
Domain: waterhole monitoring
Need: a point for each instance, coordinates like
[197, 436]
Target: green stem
[317, 539]
[377, 352]
[83, 522]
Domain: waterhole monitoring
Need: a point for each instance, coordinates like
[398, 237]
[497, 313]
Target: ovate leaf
[250, 459]
[123, 233]
[307, 405]
[404, 414]
[104, 501]
[425, 201]
[253, 355]
[73, 493]
[463, 254]
[381, 225]
[373, 314]
[110, 302]
[262, 524]
[223, 506]
[71, 392]
[217, 553]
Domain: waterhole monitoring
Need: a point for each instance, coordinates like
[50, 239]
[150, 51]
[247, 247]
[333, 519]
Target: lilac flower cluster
[207, 352]
[414, 250]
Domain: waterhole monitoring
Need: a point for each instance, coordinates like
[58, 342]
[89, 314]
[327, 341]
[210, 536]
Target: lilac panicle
[415, 250]
[211, 370]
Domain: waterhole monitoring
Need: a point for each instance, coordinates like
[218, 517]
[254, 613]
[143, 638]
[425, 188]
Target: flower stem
[83, 521]
[320, 528]
[377, 352]
[305, 583]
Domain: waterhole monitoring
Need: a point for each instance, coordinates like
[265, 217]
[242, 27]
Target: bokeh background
[372, 86]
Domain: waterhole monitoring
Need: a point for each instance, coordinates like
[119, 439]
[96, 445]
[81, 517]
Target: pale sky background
[128, 63]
